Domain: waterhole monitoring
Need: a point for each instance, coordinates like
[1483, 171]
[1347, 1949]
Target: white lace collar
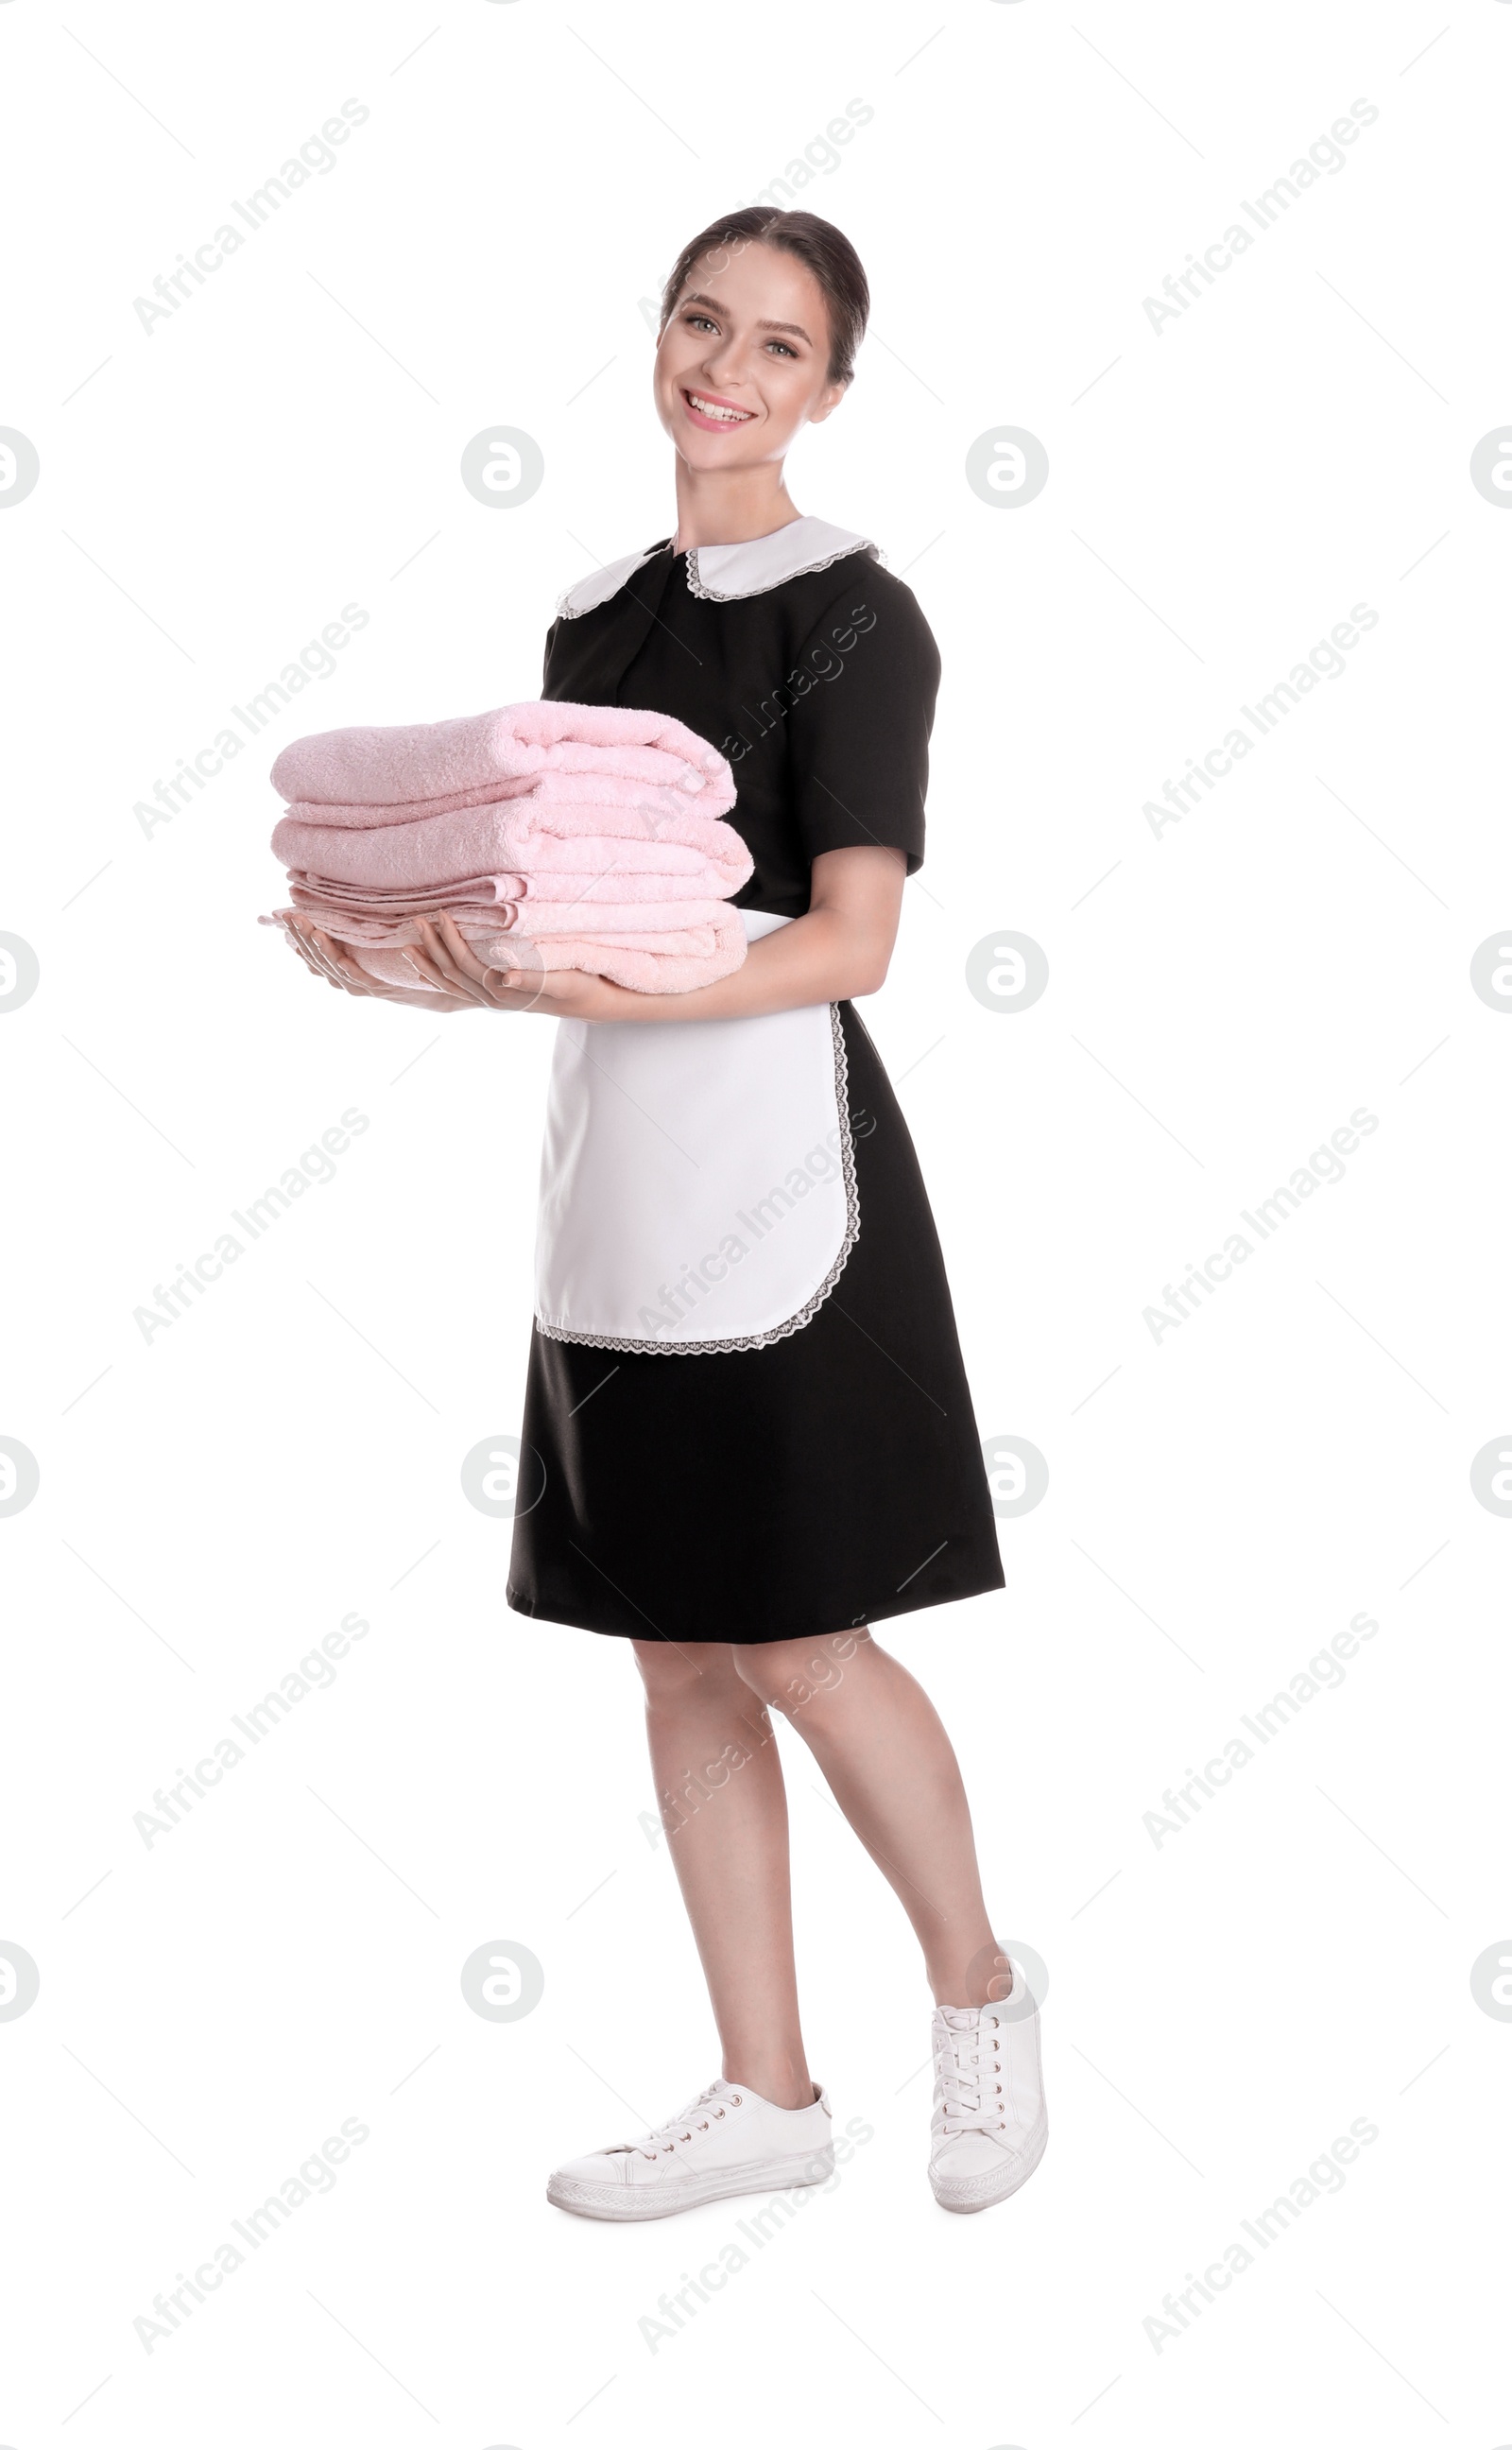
[723, 573]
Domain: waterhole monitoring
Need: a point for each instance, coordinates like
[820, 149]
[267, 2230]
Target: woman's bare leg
[877, 1738]
[720, 1786]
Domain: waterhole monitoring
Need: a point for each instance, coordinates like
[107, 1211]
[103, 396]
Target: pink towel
[585, 789]
[554, 835]
[659, 800]
[311, 893]
[672, 963]
[520, 838]
[614, 921]
[375, 774]
[544, 884]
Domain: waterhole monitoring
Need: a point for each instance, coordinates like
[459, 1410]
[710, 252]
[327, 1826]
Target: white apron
[698, 1179]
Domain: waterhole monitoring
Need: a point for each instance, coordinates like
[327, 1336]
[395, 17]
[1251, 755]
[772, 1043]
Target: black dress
[832, 1475]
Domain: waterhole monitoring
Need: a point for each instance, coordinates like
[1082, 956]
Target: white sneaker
[989, 2130]
[727, 2142]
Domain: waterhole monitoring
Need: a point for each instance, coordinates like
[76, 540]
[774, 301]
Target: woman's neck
[713, 508]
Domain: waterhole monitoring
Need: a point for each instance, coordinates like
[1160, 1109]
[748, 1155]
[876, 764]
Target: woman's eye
[701, 320]
[785, 350]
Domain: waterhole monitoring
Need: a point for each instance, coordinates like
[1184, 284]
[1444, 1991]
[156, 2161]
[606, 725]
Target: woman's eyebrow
[697, 298]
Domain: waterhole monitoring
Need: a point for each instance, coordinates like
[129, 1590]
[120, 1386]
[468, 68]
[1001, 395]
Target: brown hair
[826, 251]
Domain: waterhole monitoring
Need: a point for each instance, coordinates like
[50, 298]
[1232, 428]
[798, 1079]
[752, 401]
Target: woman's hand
[838, 948]
[458, 981]
[448, 960]
[326, 958]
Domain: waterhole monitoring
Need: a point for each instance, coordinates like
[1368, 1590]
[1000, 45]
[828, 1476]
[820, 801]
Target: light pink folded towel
[673, 962]
[319, 893]
[612, 921]
[659, 801]
[554, 834]
[311, 893]
[585, 789]
[386, 774]
[523, 839]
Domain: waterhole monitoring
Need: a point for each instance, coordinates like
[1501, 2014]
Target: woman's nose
[724, 359]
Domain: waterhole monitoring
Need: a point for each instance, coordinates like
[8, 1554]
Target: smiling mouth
[714, 412]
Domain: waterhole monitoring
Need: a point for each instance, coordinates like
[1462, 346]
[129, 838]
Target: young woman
[748, 1432]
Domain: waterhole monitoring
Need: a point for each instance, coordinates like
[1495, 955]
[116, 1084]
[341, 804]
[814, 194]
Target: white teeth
[725, 416]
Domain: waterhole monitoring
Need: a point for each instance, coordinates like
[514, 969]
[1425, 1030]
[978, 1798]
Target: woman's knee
[786, 1675]
[678, 1672]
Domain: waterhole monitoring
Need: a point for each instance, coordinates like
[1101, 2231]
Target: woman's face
[744, 360]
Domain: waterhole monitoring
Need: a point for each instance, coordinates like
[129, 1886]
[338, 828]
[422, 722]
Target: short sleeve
[864, 685]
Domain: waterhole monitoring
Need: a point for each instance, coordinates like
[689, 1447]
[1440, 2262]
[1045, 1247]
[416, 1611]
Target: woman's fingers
[449, 956]
[513, 988]
[455, 962]
[418, 958]
[343, 968]
[457, 951]
[309, 952]
[329, 959]
[447, 973]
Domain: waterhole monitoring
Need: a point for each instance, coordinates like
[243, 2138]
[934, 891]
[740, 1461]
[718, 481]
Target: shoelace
[968, 2071]
[682, 2129]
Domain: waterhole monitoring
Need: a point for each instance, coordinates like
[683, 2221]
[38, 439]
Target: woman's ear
[829, 398]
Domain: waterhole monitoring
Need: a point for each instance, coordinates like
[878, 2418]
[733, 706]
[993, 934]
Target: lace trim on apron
[801, 1317]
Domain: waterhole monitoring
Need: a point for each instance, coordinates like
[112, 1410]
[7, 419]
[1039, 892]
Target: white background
[1221, 998]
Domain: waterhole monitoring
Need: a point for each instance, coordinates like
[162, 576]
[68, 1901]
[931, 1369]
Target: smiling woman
[744, 1460]
[748, 1425]
[776, 374]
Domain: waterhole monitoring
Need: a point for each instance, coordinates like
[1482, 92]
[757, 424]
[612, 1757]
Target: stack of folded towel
[556, 837]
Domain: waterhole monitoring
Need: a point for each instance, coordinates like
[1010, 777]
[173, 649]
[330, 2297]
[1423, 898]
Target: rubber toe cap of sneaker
[594, 2170]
